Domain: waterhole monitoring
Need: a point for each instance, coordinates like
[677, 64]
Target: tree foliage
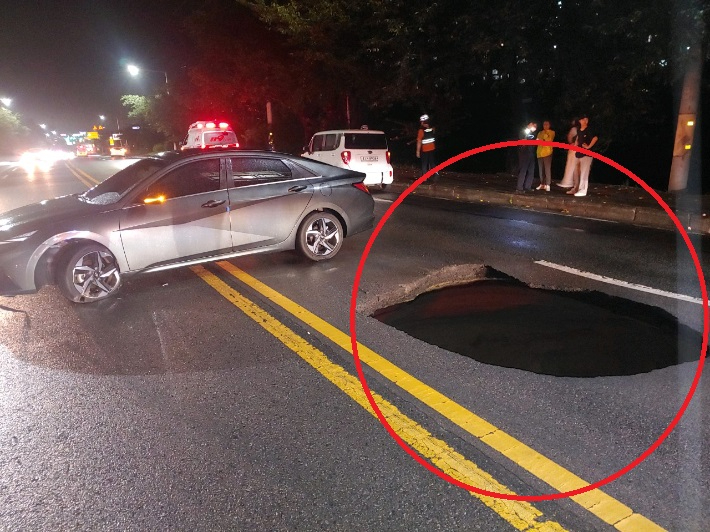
[481, 69]
[460, 61]
[12, 132]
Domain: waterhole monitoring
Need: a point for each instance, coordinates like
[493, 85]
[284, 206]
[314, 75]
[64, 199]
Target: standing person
[571, 178]
[586, 138]
[544, 156]
[526, 159]
[426, 146]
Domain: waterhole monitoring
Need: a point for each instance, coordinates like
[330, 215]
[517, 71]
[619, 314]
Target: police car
[210, 134]
[362, 150]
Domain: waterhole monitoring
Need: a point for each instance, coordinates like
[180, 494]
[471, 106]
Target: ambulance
[210, 134]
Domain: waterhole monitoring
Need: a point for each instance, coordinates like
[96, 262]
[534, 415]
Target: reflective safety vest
[428, 139]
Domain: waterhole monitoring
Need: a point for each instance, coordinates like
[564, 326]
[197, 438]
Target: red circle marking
[549, 496]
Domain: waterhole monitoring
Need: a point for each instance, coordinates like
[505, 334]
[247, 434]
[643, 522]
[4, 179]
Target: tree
[233, 78]
[12, 133]
[483, 68]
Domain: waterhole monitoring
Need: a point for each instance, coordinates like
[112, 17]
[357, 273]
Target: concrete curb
[583, 207]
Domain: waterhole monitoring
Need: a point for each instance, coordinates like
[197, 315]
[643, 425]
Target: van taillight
[345, 156]
[389, 157]
[362, 186]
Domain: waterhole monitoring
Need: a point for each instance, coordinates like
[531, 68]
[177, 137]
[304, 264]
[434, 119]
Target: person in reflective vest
[426, 146]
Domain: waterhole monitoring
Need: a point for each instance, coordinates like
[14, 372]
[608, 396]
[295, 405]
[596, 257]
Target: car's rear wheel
[320, 236]
[89, 273]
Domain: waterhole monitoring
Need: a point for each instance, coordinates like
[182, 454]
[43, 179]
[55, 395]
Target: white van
[210, 134]
[362, 150]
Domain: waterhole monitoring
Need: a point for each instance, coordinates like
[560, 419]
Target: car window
[297, 171]
[326, 142]
[191, 178]
[365, 141]
[115, 187]
[253, 170]
[331, 142]
[317, 143]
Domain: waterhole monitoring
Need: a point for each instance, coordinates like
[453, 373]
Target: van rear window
[365, 141]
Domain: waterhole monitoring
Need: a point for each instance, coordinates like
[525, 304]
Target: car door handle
[297, 188]
[213, 203]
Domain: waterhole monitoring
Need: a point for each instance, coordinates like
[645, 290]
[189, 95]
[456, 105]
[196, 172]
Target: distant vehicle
[43, 158]
[210, 134]
[117, 147]
[362, 150]
[176, 209]
[84, 150]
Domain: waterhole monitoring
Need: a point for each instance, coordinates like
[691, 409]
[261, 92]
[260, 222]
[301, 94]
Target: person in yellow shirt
[544, 156]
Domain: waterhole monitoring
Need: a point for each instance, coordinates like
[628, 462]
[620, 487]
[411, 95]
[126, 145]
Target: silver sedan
[177, 209]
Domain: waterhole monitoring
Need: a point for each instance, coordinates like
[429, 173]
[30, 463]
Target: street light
[43, 126]
[103, 119]
[6, 101]
[133, 70]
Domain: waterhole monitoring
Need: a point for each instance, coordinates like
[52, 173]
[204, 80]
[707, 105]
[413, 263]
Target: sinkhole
[504, 322]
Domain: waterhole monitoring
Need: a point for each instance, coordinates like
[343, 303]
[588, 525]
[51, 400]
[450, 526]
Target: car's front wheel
[320, 236]
[89, 273]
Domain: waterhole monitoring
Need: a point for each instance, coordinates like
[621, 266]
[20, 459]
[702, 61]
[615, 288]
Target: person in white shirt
[571, 177]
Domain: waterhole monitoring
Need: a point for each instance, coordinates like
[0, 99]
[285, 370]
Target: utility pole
[687, 123]
[269, 121]
[347, 109]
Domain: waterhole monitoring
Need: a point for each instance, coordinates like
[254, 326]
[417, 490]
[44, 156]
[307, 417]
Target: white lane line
[617, 282]
[383, 200]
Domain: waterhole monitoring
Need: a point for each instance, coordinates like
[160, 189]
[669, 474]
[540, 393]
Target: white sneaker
[540, 187]
[579, 194]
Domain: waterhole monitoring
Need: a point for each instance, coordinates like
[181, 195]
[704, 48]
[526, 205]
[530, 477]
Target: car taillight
[388, 157]
[363, 187]
[345, 156]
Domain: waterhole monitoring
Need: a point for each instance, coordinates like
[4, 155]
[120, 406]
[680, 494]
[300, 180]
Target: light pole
[103, 118]
[134, 71]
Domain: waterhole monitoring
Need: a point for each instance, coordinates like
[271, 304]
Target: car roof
[173, 155]
[361, 131]
[317, 167]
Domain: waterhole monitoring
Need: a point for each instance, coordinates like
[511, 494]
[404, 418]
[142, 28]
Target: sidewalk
[625, 204]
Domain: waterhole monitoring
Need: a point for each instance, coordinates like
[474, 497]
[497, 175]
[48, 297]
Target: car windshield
[115, 187]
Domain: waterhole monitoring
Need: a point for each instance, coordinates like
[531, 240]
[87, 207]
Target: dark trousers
[429, 162]
[527, 170]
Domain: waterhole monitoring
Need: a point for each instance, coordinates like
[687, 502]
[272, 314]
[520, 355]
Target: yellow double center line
[520, 514]
[82, 176]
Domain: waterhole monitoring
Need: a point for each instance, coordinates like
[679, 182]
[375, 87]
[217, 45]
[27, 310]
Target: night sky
[63, 62]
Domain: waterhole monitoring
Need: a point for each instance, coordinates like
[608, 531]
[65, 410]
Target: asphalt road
[171, 408]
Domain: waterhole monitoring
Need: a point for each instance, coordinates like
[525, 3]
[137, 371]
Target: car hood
[47, 212]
